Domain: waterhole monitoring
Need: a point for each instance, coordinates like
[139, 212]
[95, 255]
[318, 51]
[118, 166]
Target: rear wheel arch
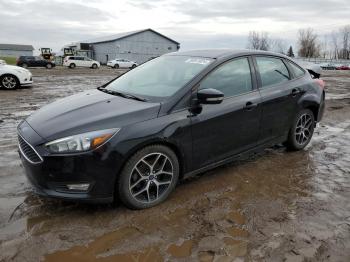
[311, 102]
[314, 109]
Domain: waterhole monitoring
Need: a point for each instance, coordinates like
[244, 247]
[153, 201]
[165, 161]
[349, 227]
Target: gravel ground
[274, 206]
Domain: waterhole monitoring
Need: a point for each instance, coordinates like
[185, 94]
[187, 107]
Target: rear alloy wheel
[148, 177]
[48, 66]
[9, 82]
[94, 66]
[72, 65]
[24, 65]
[133, 66]
[302, 130]
[116, 66]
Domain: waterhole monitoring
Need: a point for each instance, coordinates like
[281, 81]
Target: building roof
[16, 47]
[123, 35]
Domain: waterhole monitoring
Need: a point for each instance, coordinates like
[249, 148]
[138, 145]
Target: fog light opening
[78, 187]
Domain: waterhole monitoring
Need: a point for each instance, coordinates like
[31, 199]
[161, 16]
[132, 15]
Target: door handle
[250, 106]
[295, 92]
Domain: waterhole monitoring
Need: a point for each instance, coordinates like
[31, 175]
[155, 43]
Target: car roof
[222, 53]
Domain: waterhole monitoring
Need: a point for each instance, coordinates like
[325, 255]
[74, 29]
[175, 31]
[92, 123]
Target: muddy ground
[275, 206]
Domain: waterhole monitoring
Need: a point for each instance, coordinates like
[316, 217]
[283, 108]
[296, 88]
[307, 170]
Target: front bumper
[26, 79]
[51, 176]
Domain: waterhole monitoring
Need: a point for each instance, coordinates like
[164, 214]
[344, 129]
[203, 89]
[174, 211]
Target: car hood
[12, 67]
[89, 111]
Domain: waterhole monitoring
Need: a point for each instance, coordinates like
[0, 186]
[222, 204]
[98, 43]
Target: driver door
[223, 130]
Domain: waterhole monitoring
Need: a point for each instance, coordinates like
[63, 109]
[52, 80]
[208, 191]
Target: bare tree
[259, 41]
[278, 45]
[335, 43]
[324, 51]
[345, 37]
[308, 43]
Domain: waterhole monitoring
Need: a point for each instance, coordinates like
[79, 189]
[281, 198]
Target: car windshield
[160, 77]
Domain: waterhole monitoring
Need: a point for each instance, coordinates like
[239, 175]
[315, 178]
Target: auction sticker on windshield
[201, 61]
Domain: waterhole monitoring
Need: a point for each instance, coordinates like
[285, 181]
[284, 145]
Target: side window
[298, 72]
[232, 78]
[272, 71]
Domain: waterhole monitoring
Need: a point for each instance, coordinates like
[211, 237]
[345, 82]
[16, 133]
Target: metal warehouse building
[9, 50]
[138, 46]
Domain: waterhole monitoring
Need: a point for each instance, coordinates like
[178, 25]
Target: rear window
[272, 71]
[298, 72]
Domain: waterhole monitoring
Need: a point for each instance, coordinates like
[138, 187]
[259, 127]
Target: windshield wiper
[116, 93]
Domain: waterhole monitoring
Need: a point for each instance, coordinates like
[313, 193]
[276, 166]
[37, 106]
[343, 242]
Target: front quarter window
[160, 77]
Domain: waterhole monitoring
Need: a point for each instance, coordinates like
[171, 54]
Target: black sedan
[175, 116]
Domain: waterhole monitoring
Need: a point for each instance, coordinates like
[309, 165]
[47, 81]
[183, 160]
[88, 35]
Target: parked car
[80, 61]
[12, 77]
[122, 63]
[34, 61]
[328, 67]
[172, 117]
[343, 67]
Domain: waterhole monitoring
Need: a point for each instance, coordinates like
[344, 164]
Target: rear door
[79, 61]
[30, 60]
[222, 130]
[279, 97]
[123, 63]
[87, 62]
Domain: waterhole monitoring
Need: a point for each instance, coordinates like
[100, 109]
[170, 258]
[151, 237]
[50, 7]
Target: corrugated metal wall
[139, 48]
[14, 53]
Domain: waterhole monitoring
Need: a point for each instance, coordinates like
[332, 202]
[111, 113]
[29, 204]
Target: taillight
[320, 83]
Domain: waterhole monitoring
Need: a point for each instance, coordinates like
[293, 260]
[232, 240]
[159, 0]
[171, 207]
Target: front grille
[28, 151]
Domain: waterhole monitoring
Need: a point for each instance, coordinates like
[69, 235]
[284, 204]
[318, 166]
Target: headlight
[82, 142]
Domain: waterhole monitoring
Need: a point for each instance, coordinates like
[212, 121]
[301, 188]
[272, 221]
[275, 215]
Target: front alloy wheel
[149, 177]
[9, 82]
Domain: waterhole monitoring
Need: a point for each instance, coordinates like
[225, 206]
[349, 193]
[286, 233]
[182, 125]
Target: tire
[116, 66]
[24, 65]
[72, 65]
[302, 130]
[94, 66]
[9, 82]
[142, 185]
[133, 66]
[48, 66]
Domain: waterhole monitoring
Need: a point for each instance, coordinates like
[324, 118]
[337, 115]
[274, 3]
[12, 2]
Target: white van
[80, 61]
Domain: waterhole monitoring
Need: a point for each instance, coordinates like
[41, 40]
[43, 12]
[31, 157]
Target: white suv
[80, 61]
[122, 63]
[12, 77]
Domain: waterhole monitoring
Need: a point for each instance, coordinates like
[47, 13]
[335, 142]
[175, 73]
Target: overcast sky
[194, 23]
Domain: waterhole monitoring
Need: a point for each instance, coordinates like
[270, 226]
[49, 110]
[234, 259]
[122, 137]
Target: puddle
[182, 250]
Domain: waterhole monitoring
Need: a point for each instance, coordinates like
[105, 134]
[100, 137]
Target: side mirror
[210, 96]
